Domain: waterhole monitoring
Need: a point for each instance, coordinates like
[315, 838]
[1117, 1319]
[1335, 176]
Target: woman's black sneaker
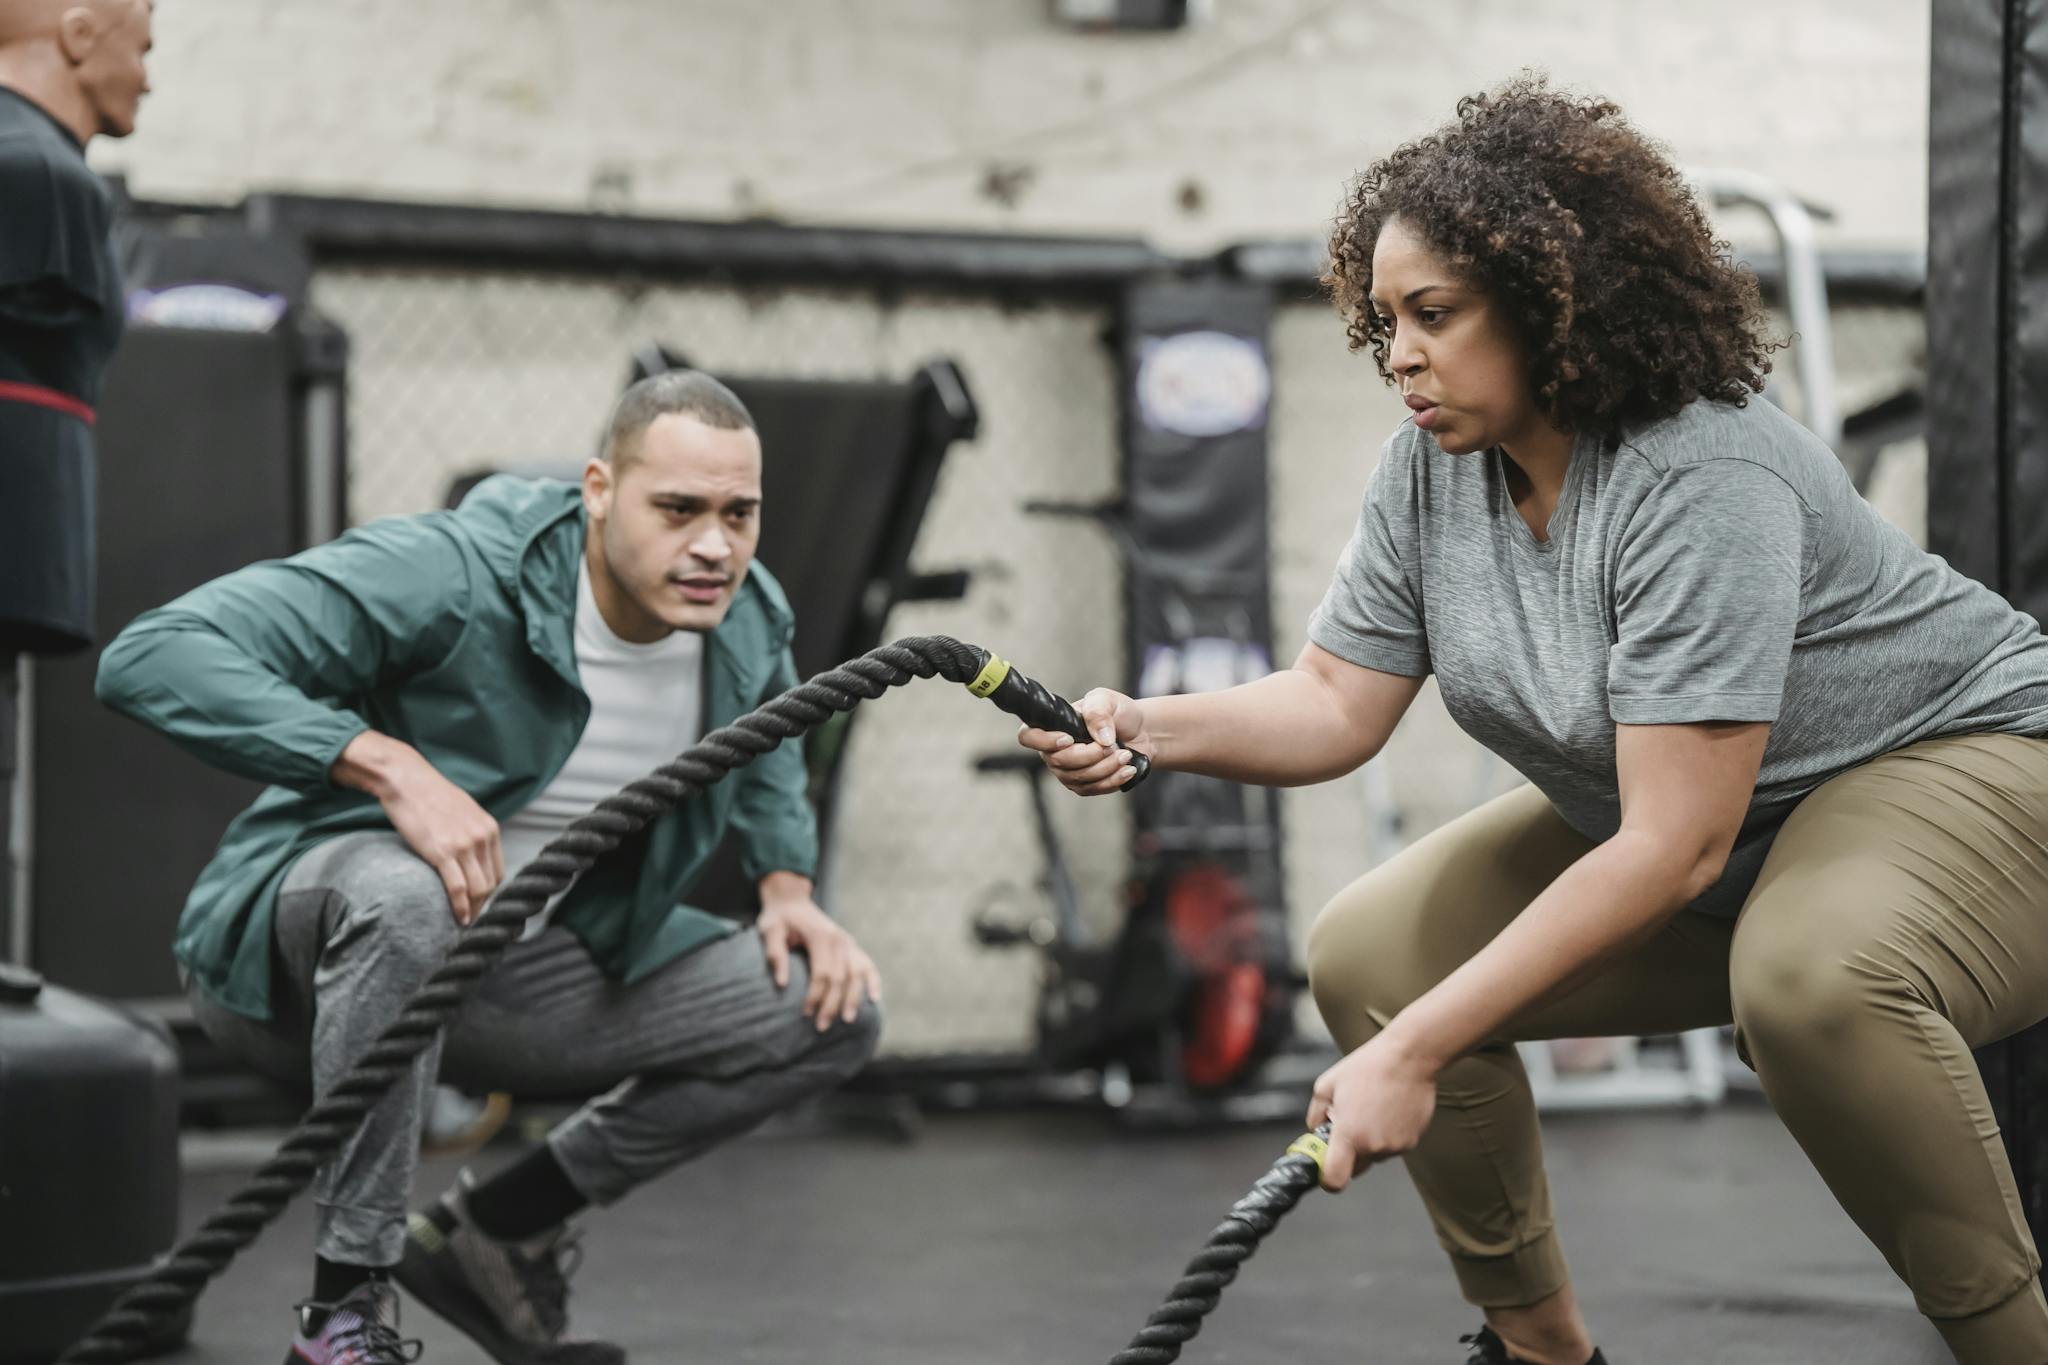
[1488, 1349]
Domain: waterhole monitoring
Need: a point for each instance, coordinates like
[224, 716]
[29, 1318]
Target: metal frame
[19, 836]
[1804, 286]
[1698, 1082]
[339, 228]
[1872, 276]
[370, 229]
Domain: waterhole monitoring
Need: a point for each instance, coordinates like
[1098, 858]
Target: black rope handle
[1047, 710]
[1194, 1296]
[233, 1226]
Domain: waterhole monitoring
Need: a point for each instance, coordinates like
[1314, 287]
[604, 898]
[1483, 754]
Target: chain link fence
[455, 370]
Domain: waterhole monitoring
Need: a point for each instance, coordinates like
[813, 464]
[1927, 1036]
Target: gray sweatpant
[699, 1052]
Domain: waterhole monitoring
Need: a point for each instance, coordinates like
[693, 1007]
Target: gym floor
[1045, 1239]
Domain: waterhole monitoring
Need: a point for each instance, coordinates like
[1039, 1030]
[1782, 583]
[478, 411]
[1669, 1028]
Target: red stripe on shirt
[41, 397]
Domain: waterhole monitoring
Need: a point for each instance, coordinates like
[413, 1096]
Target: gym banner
[1198, 390]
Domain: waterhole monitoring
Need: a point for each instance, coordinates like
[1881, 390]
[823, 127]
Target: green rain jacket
[455, 632]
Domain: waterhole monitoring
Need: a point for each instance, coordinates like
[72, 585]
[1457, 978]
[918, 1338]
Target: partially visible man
[434, 698]
[70, 71]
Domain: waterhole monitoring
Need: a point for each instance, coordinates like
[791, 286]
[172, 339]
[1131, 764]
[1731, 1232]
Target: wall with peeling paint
[985, 113]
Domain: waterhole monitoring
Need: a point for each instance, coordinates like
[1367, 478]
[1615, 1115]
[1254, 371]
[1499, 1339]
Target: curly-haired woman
[1783, 765]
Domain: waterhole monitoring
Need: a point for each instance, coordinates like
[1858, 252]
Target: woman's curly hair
[1580, 229]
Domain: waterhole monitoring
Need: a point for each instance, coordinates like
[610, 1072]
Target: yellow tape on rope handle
[990, 678]
[1312, 1146]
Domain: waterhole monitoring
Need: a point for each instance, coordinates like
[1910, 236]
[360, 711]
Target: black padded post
[1987, 346]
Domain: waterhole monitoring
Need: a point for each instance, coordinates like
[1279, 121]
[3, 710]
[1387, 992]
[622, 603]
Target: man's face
[678, 528]
[113, 72]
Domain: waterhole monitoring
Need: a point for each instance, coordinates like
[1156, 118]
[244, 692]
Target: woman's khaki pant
[1900, 920]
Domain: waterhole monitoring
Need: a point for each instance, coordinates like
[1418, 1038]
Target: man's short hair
[691, 392]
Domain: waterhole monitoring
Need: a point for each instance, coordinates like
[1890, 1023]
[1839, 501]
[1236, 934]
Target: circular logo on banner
[1203, 383]
[215, 307]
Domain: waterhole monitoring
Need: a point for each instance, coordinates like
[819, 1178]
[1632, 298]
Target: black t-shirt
[61, 312]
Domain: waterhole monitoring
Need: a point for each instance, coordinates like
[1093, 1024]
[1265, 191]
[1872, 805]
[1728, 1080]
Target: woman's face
[1462, 369]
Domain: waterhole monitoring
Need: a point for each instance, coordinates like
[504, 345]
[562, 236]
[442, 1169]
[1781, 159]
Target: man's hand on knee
[438, 820]
[843, 976]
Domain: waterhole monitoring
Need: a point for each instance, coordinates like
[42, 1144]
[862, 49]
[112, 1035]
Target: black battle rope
[328, 1123]
[1193, 1297]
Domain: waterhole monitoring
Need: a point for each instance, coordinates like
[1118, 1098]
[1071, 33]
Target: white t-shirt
[646, 706]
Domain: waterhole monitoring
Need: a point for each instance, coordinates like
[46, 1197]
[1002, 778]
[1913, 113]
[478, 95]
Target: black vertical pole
[1987, 380]
[10, 673]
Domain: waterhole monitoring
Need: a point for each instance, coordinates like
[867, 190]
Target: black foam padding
[1987, 409]
[840, 471]
[195, 440]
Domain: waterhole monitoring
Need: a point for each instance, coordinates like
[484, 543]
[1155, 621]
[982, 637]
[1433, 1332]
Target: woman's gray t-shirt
[1717, 565]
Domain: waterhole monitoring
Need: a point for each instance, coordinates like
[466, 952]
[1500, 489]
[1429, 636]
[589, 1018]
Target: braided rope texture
[200, 1257]
[1194, 1296]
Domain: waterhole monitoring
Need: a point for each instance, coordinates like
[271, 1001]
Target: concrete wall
[985, 113]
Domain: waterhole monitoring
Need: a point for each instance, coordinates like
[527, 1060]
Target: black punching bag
[88, 1163]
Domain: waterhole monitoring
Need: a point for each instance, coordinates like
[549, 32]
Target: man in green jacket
[432, 699]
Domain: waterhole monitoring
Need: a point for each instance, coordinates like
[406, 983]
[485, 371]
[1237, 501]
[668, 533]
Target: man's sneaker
[510, 1298]
[362, 1329]
[1488, 1349]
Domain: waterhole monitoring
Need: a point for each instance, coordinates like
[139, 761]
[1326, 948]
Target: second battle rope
[1193, 1297]
[328, 1124]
